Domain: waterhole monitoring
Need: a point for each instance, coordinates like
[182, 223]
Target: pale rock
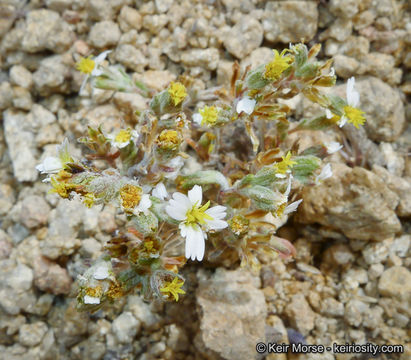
[101, 9]
[157, 79]
[20, 76]
[20, 142]
[344, 8]
[6, 95]
[39, 117]
[232, 311]
[104, 34]
[90, 248]
[143, 313]
[49, 134]
[31, 334]
[7, 199]
[375, 271]
[22, 98]
[373, 318]
[383, 108]
[375, 253]
[130, 103]
[299, 314]
[59, 5]
[176, 337]
[20, 278]
[51, 277]
[394, 160]
[401, 245]
[348, 201]
[34, 211]
[163, 6]
[129, 18]
[262, 55]
[363, 19]
[381, 66]
[155, 23]
[354, 311]
[345, 66]
[46, 30]
[207, 58]
[339, 30]
[131, 57]
[290, 21]
[126, 327]
[331, 307]
[224, 72]
[6, 245]
[51, 77]
[396, 282]
[401, 186]
[244, 37]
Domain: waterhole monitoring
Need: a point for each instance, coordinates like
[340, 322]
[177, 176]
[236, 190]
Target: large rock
[45, 30]
[396, 282]
[104, 34]
[383, 107]
[20, 142]
[290, 21]
[233, 313]
[354, 201]
[244, 37]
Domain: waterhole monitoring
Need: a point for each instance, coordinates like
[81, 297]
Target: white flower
[50, 165]
[333, 147]
[123, 138]
[246, 105]
[53, 164]
[143, 206]
[96, 70]
[353, 99]
[160, 191]
[292, 207]
[91, 300]
[326, 172]
[195, 220]
[332, 72]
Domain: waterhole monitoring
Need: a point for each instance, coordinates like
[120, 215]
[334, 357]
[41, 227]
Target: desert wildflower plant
[227, 206]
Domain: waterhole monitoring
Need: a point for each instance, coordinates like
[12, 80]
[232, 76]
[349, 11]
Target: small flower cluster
[226, 212]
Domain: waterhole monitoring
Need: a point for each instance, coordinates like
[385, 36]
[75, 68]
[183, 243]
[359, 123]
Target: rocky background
[351, 279]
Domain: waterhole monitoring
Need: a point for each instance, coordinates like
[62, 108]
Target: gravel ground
[351, 279]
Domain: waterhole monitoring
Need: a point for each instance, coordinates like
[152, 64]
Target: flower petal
[91, 300]
[196, 195]
[160, 191]
[246, 105]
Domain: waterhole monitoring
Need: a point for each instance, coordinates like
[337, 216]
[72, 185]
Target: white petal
[197, 118]
[333, 147]
[216, 224]
[287, 191]
[342, 121]
[101, 57]
[353, 97]
[144, 205]
[246, 105]
[160, 191]
[326, 172]
[217, 212]
[332, 72]
[292, 207]
[101, 272]
[50, 165]
[182, 200]
[91, 300]
[96, 71]
[120, 145]
[200, 248]
[196, 195]
[83, 84]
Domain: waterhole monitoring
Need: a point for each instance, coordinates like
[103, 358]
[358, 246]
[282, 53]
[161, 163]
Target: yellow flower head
[130, 196]
[173, 288]
[197, 215]
[354, 116]
[285, 164]
[209, 115]
[123, 136]
[177, 92]
[239, 224]
[277, 66]
[86, 65]
[89, 199]
[169, 140]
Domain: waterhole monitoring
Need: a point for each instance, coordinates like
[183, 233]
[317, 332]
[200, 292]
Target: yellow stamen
[88, 200]
[86, 65]
[115, 291]
[209, 115]
[285, 164]
[173, 288]
[280, 211]
[177, 92]
[197, 215]
[169, 140]
[277, 66]
[354, 116]
[239, 224]
[130, 196]
[123, 136]
[95, 292]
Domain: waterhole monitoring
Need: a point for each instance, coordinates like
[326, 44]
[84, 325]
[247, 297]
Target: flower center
[177, 92]
[239, 224]
[209, 114]
[123, 136]
[169, 140]
[285, 164]
[277, 66]
[354, 115]
[86, 65]
[130, 196]
[197, 215]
